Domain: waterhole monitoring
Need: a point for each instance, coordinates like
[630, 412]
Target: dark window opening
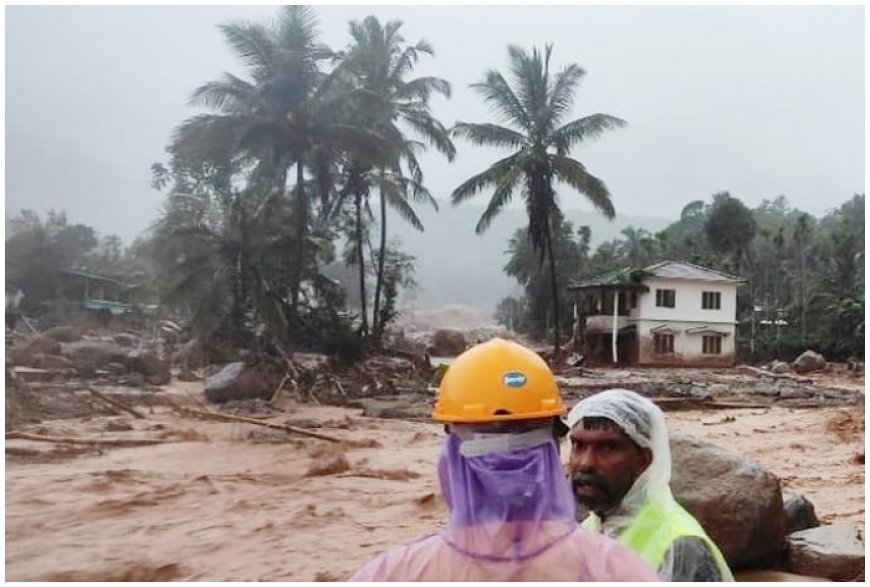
[711, 300]
[664, 343]
[666, 298]
[712, 345]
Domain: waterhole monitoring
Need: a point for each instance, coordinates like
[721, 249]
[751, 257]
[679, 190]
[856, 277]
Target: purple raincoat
[511, 519]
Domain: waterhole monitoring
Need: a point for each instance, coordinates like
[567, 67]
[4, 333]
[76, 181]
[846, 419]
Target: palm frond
[583, 129]
[562, 93]
[491, 135]
[501, 98]
[500, 198]
[494, 175]
[431, 130]
[253, 44]
[573, 173]
[230, 94]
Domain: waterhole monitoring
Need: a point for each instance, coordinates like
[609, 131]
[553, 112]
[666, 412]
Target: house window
[633, 299]
[666, 298]
[712, 345]
[664, 343]
[711, 300]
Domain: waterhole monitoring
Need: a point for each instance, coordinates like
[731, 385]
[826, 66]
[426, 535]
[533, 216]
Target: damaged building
[670, 313]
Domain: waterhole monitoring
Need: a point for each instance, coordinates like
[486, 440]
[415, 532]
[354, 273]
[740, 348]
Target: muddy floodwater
[237, 502]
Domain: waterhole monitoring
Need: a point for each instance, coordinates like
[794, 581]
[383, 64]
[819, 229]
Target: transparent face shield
[508, 495]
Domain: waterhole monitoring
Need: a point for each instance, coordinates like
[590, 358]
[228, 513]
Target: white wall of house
[688, 306]
[688, 347]
[688, 313]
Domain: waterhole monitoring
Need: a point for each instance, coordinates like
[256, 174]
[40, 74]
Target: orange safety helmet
[495, 381]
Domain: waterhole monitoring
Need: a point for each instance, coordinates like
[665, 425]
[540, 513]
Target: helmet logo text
[514, 379]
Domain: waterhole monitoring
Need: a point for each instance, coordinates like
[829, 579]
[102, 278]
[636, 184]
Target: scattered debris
[240, 420]
[332, 466]
[17, 435]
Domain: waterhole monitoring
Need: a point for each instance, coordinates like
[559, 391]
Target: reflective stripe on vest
[655, 528]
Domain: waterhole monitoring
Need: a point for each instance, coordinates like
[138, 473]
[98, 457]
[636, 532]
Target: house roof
[683, 270]
[96, 277]
[627, 278]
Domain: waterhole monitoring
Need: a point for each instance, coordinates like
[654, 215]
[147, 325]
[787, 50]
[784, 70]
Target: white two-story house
[670, 313]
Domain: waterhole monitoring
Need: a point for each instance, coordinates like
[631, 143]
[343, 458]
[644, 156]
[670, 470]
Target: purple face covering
[505, 505]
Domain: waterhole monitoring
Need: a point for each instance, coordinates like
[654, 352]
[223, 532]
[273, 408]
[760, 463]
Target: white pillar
[615, 321]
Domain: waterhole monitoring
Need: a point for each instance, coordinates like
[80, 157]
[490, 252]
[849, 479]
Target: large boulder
[155, 370]
[93, 354]
[40, 345]
[63, 334]
[447, 343]
[737, 502]
[236, 381]
[835, 552]
[779, 367]
[800, 513]
[809, 361]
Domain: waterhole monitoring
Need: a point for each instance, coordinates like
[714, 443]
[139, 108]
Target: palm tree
[379, 61]
[535, 107]
[293, 113]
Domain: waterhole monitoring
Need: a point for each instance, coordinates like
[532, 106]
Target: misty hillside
[454, 265]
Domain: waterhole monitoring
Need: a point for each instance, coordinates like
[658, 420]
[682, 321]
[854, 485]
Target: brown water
[236, 502]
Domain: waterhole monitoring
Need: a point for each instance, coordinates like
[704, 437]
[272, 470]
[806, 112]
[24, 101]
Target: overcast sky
[759, 101]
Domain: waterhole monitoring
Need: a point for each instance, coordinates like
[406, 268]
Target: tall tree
[289, 115]
[535, 106]
[730, 227]
[380, 62]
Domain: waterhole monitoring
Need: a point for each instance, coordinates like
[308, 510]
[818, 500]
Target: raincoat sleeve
[374, 570]
[689, 560]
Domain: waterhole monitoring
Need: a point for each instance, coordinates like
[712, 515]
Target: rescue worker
[512, 514]
[620, 469]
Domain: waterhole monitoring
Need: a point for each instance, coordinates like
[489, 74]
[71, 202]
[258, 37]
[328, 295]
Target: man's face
[604, 464]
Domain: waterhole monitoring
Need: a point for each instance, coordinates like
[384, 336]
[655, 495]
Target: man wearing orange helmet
[512, 511]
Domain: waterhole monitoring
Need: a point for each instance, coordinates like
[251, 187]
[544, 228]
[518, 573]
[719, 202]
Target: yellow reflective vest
[656, 526]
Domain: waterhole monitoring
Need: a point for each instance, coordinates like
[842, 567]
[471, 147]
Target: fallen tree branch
[86, 441]
[280, 386]
[683, 403]
[115, 403]
[241, 420]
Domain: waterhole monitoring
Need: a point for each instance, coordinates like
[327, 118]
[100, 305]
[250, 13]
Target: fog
[759, 101]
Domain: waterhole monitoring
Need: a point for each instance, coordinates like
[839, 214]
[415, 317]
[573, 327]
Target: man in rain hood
[620, 469]
[512, 513]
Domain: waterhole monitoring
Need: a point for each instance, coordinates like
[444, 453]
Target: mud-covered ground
[237, 502]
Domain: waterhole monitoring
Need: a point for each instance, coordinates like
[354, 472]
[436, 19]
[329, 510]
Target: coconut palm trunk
[364, 327]
[381, 257]
[548, 236]
[301, 226]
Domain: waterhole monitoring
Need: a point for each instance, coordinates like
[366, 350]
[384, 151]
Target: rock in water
[835, 552]
[800, 513]
[447, 343]
[737, 502]
[237, 382]
[809, 361]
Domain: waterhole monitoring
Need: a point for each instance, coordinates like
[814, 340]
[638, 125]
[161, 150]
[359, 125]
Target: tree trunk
[364, 328]
[803, 296]
[549, 240]
[301, 212]
[377, 326]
